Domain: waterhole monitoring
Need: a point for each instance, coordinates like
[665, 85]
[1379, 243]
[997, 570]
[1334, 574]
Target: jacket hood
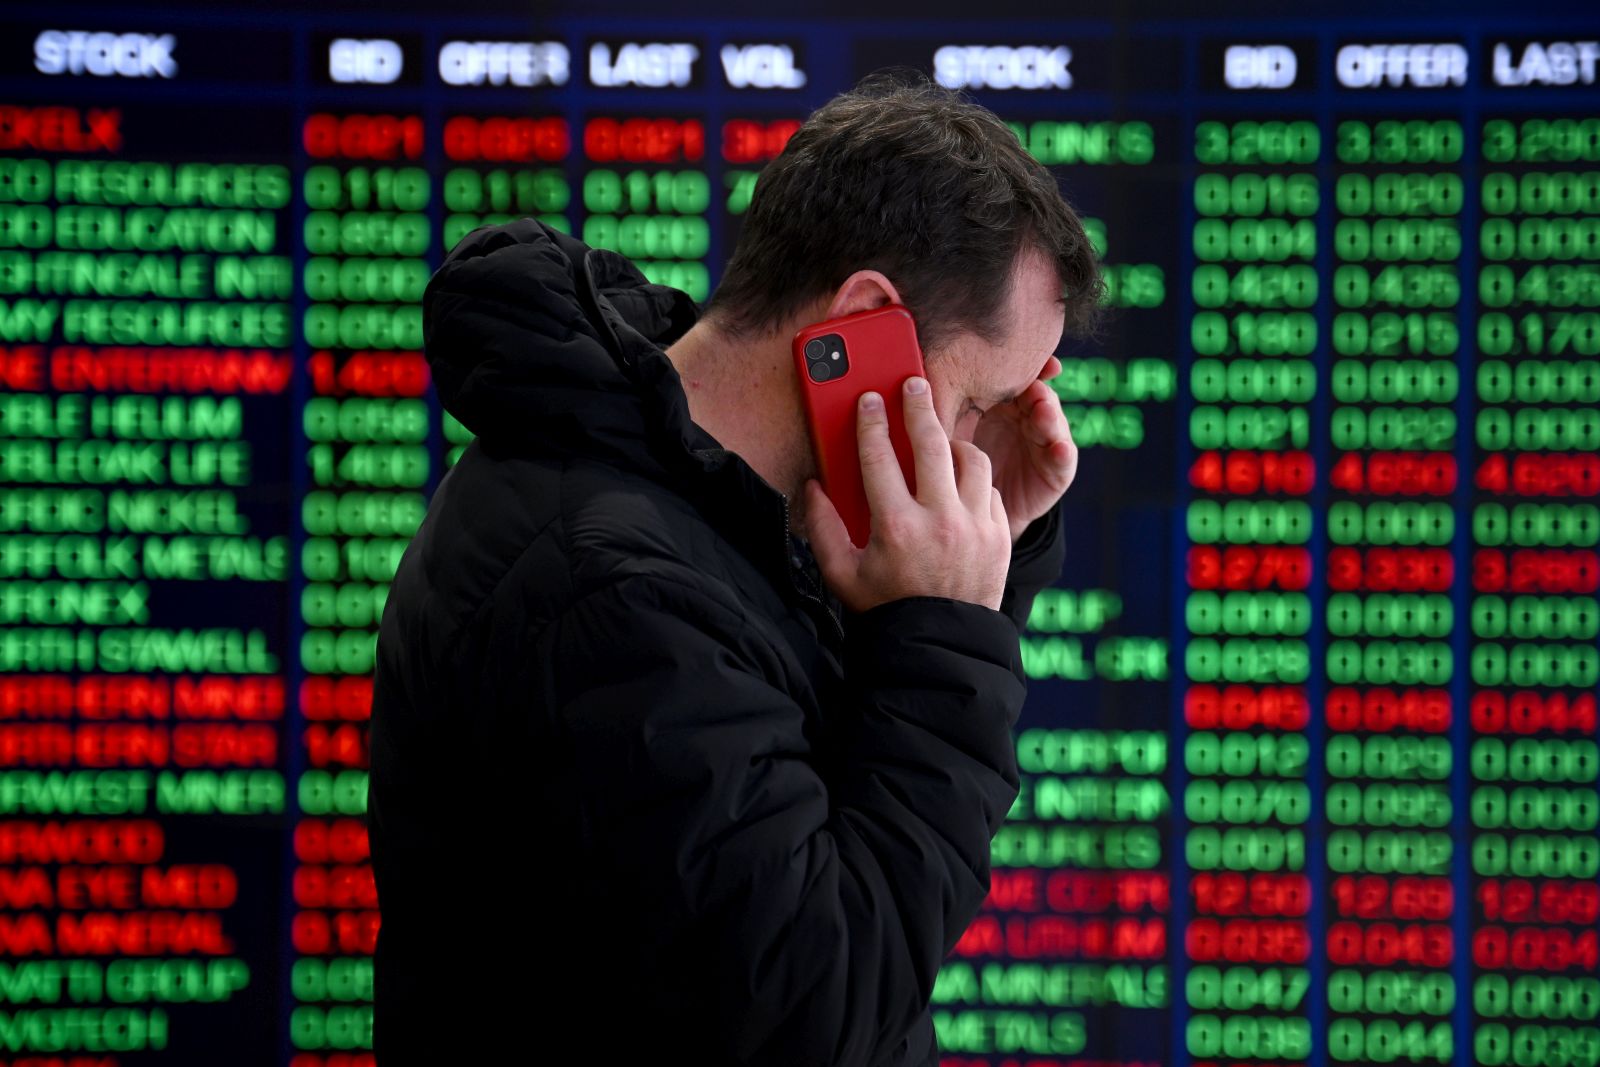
[542, 345]
[538, 342]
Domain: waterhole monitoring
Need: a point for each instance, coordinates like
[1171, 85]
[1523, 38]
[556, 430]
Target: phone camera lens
[827, 357]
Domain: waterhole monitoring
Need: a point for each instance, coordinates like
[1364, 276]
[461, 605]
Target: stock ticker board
[1309, 764]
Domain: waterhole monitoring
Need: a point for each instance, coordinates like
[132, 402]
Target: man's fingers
[974, 474]
[1071, 466]
[1046, 418]
[881, 477]
[1043, 421]
[936, 483]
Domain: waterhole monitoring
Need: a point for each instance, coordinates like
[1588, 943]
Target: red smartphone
[838, 360]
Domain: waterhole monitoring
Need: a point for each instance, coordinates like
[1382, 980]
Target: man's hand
[947, 540]
[1030, 449]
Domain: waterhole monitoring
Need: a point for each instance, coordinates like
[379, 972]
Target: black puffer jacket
[637, 789]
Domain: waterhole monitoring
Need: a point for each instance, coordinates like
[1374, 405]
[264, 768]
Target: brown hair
[903, 176]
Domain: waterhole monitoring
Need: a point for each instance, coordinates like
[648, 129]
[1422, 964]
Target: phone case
[880, 346]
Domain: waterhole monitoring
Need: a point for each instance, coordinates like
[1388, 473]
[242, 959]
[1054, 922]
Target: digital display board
[1309, 758]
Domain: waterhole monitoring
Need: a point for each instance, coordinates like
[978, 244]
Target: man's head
[902, 191]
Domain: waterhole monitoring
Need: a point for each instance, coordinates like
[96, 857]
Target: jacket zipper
[787, 548]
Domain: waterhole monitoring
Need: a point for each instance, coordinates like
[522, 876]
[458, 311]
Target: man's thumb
[829, 537]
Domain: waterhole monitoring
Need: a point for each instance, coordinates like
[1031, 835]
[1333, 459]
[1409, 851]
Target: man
[646, 780]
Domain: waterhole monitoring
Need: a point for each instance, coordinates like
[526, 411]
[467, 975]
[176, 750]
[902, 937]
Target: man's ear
[862, 291]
